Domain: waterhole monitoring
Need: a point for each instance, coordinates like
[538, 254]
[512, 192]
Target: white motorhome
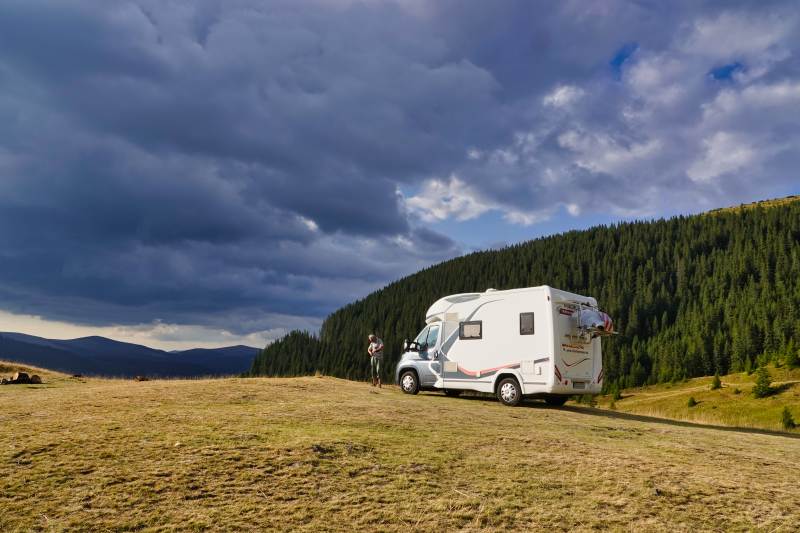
[536, 341]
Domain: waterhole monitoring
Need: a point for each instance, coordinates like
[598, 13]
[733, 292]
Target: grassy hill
[691, 296]
[731, 405]
[776, 202]
[324, 454]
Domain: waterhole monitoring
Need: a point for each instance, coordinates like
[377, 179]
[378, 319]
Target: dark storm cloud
[238, 164]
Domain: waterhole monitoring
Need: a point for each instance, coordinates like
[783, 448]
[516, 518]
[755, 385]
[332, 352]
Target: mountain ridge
[97, 355]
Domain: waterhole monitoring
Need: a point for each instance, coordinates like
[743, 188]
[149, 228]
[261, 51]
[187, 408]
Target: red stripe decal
[573, 364]
[558, 373]
[474, 373]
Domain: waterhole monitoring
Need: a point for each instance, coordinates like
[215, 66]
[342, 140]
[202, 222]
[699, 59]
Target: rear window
[470, 330]
[526, 324]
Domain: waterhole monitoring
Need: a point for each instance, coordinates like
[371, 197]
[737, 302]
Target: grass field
[322, 454]
[731, 405]
[776, 202]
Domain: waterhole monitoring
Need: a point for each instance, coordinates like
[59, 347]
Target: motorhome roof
[441, 305]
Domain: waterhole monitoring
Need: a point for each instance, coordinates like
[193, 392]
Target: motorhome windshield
[428, 336]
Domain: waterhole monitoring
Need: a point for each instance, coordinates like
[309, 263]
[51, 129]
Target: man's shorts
[375, 361]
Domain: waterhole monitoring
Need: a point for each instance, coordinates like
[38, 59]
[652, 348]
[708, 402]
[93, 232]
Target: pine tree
[716, 383]
[792, 360]
[787, 421]
[762, 388]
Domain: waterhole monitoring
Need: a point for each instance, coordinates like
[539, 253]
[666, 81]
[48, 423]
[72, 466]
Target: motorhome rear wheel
[509, 392]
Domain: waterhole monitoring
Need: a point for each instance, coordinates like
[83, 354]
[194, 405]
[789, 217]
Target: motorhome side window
[470, 330]
[526, 324]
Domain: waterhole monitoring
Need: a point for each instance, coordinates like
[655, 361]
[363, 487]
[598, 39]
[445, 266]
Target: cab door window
[433, 336]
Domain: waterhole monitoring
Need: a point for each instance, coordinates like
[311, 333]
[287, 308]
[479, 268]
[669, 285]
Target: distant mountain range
[102, 356]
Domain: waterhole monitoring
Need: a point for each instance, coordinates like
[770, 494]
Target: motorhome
[530, 342]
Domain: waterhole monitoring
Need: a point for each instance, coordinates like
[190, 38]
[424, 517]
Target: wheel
[409, 382]
[556, 401]
[452, 393]
[508, 392]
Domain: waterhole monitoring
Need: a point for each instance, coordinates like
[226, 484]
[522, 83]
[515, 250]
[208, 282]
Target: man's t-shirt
[376, 348]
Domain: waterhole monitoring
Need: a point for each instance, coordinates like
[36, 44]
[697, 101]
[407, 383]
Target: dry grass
[776, 202]
[321, 454]
[723, 406]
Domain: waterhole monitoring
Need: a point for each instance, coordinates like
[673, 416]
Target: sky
[204, 173]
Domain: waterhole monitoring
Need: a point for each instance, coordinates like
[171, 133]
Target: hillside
[731, 405]
[279, 454]
[107, 357]
[691, 296]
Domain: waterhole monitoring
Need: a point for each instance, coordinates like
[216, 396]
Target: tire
[452, 393]
[509, 392]
[409, 382]
[556, 401]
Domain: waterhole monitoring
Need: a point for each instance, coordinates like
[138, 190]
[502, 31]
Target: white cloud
[758, 96]
[440, 200]
[455, 199]
[602, 153]
[724, 152]
[563, 96]
[737, 34]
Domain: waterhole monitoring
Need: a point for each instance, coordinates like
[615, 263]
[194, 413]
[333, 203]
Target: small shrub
[787, 421]
[692, 402]
[613, 405]
[716, 383]
[586, 399]
[792, 360]
[737, 390]
[615, 393]
[762, 388]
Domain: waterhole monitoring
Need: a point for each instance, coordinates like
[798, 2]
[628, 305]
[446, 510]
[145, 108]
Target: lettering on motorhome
[574, 348]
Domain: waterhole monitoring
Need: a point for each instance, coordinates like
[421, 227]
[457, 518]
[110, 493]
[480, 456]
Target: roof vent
[491, 290]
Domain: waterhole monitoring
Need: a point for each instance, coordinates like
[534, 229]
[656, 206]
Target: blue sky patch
[726, 72]
[622, 55]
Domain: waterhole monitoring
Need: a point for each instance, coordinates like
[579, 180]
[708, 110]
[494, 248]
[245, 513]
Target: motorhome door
[431, 368]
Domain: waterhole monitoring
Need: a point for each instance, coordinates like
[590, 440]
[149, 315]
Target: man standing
[375, 352]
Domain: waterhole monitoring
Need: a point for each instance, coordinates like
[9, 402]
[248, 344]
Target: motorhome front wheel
[409, 383]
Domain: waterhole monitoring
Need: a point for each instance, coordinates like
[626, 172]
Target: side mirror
[405, 345]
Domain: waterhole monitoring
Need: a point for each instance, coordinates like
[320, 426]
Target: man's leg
[378, 371]
[372, 366]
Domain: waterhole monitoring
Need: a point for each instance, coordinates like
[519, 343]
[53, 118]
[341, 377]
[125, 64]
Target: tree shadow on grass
[594, 411]
[671, 422]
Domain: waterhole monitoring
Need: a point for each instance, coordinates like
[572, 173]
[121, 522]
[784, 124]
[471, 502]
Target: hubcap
[408, 383]
[508, 392]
